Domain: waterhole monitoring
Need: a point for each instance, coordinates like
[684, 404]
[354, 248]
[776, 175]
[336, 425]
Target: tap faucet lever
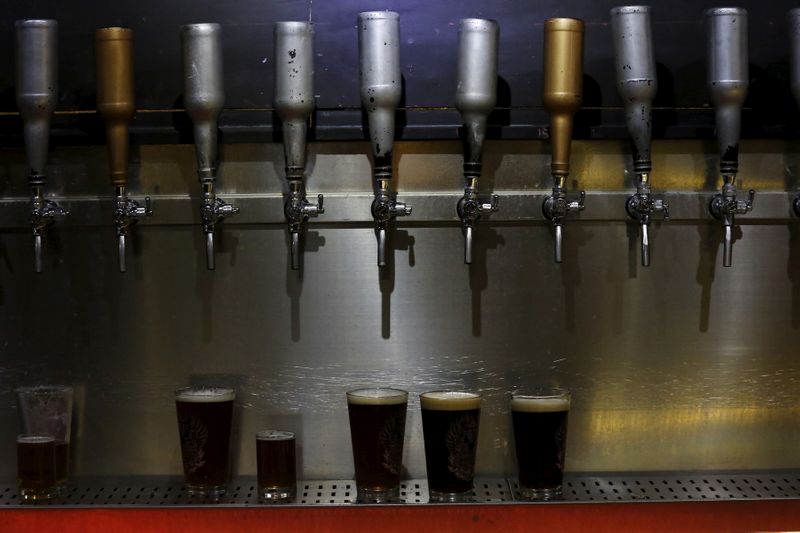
[127, 212]
[797, 205]
[298, 210]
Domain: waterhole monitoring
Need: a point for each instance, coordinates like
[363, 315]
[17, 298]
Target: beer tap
[635, 65]
[203, 99]
[563, 87]
[476, 96]
[381, 89]
[728, 81]
[294, 102]
[794, 71]
[115, 103]
[37, 90]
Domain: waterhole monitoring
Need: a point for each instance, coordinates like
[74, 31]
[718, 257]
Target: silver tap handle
[467, 245]
[381, 247]
[645, 245]
[557, 242]
[320, 205]
[37, 252]
[490, 207]
[121, 250]
[745, 206]
[210, 262]
[295, 250]
[665, 209]
[400, 209]
[579, 205]
[727, 257]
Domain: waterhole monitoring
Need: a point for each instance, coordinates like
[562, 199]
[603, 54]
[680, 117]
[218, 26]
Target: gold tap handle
[115, 101]
[563, 85]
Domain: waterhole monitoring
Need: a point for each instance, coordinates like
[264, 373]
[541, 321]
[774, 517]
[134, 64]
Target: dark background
[428, 59]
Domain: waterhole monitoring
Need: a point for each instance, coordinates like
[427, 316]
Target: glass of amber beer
[450, 422]
[275, 455]
[540, 436]
[377, 430]
[47, 410]
[36, 467]
[204, 424]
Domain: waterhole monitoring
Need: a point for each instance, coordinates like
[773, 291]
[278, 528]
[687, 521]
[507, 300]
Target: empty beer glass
[204, 423]
[275, 454]
[450, 422]
[36, 467]
[47, 410]
[377, 430]
[540, 436]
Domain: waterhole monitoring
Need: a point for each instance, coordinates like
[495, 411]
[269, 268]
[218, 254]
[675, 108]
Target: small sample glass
[540, 435]
[377, 431]
[47, 410]
[450, 421]
[36, 467]
[277, 476]
[204, 424]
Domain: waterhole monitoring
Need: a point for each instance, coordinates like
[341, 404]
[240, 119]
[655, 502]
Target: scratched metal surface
[682, 366]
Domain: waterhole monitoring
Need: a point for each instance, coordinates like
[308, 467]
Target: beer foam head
[274, 434]
[205, 395]
[377, 396]
[450, 400]
[539, 404]
[35, 439]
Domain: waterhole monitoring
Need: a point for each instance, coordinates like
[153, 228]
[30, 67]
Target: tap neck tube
[294, 147]
[561, 135]
[383, 169]
[205, 141]
[118, 151]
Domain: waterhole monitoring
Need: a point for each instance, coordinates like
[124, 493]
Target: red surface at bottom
[684, 516]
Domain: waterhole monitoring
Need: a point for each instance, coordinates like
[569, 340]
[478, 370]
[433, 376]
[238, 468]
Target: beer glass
[275, 453]
[47, 410]
[540, 436]
[450, 422]
[36, 467]
[204, 424]
[377, 430]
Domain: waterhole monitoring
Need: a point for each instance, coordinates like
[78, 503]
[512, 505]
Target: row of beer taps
[381, 92]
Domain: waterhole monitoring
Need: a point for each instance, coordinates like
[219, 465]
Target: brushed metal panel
[681, 366]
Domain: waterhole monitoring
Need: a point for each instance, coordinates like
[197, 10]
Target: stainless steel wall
[684, 365]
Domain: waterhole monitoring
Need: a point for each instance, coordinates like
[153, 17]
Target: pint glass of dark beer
[204, 423]
[540, 436]
[47, 410]
[377, 430]
[450, 422]
[36, 467]
[275, 453]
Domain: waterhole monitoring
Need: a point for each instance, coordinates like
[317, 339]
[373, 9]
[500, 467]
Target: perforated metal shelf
[169, 492]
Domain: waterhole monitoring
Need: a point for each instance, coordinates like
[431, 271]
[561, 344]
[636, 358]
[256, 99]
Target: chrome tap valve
[555, 208]
[127, 212]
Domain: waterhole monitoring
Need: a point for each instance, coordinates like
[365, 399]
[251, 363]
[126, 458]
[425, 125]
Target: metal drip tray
[169, 492]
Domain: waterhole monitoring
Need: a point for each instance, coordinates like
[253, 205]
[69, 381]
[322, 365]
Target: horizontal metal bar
[434, 207]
